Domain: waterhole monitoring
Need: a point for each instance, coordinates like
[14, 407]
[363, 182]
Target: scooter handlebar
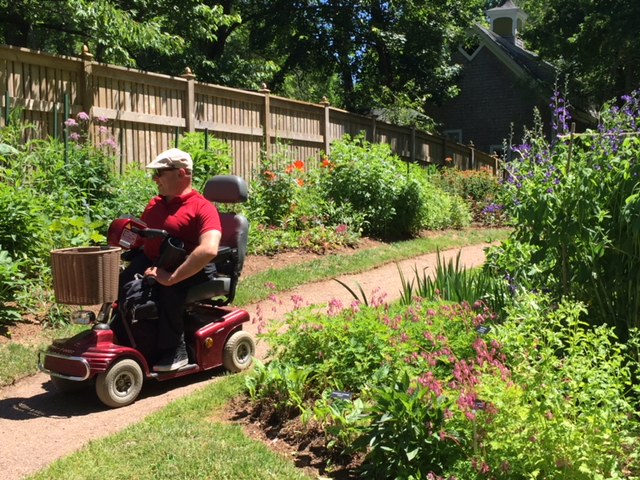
[151, 232]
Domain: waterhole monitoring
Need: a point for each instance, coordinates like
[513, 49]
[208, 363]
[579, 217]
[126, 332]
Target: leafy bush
[564, 412]
[131, 192]
[428, 394]
[575, 201]
[480, 189]
[11, 280]
[395, 198]
[288, 210]
[211, 156]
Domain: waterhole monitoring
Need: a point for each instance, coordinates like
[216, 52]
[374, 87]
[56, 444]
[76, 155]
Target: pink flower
[335, 307]
[83, 117]
[70, 122]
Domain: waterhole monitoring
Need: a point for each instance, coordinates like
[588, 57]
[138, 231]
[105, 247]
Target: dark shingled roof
[537, 69]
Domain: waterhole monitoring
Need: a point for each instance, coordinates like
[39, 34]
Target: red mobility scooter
[117, 353]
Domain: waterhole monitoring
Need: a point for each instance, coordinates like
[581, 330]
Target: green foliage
[565, 411]
[403, 437]
[425, 395]
[130, 194]
[452, 282]
[390, 194]
[288, 209]
[22, 232]
[211, 156]
[480, 189]
[578, 37]
[574, 206]
[11, 280]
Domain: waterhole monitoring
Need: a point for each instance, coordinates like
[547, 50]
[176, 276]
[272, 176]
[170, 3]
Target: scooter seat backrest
[235, 233]
[235, 227]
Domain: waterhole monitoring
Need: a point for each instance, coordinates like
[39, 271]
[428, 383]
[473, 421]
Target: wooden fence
[146, 113]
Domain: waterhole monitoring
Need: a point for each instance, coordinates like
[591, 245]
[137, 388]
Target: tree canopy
[594, 43]
[363, 55]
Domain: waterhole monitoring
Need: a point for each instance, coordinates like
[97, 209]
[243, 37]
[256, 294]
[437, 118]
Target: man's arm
[206, 250]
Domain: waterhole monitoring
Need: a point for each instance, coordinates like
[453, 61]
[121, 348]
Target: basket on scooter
[85, 275]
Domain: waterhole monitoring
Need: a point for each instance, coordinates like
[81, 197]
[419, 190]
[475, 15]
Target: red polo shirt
[185, 217]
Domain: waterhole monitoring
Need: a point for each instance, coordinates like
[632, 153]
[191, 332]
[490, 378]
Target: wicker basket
[85, 275]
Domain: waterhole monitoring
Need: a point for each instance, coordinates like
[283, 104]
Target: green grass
[254, 288]
[183, 440]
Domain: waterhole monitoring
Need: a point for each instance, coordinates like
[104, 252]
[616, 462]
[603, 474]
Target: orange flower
[289, 169]
[269, 174]
[299, 164]
[325, 162]
[300, 182]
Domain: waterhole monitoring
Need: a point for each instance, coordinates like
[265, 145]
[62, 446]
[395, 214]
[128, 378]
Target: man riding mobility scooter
[117, 353]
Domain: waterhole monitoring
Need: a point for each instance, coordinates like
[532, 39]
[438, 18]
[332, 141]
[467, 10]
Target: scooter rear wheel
[120, 385]
[238, 352]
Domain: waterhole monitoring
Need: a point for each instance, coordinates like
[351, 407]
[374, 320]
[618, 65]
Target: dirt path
[38, 425]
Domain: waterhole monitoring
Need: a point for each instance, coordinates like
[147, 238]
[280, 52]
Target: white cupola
[507, 20]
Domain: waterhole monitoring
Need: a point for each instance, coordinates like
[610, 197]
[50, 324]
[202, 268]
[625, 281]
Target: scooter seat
[217, 287]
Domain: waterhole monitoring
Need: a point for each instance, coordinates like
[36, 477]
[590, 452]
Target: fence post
[190, 101]
[373, 128]
[472, 156]
[326, 126]
[7, 110]
[65, 129]
[86, 93]
[413, 144]
[266, 119]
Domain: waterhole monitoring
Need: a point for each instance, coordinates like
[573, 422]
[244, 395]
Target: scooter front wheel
[120, 385]
[238, 352]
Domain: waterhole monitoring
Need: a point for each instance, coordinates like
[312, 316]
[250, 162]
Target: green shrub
[374, 182]
[565, 410]
[211, 156]
[288, 210]
[480, 189]
[131, 192]
[576, 202]
[427, 394]
[11, 280]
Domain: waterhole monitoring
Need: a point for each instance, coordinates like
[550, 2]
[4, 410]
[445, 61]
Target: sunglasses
[158, 172]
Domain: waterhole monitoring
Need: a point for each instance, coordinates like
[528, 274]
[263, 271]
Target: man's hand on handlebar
[159, 275]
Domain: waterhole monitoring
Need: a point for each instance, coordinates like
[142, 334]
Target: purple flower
[74, 137]
[70, 122]
[493, 208]
[83, 117]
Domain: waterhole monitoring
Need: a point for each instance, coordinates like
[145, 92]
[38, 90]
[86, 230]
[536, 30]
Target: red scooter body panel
[210, 339]
[87, 354]
[93, 351]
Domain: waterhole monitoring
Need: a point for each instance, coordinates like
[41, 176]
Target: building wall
[491, 99]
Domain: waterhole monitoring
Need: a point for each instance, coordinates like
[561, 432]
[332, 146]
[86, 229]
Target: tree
[594, 43]
[383, 53]
[115, 31]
